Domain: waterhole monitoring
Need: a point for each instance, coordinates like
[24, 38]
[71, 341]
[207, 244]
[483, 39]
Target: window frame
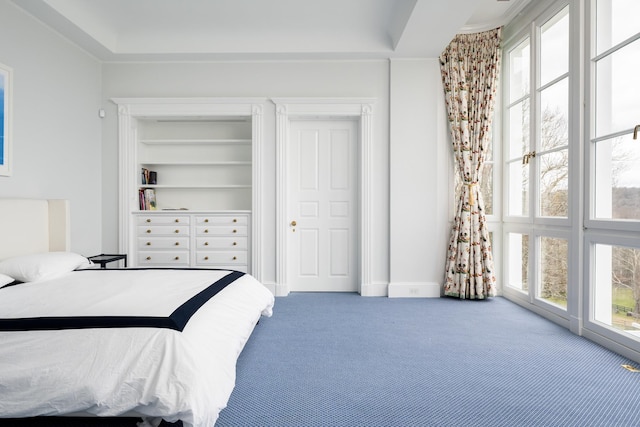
[585, 231]
[508, 159]
[590, 64]
[533, 224]
[533, 33]
[612, 232]
[594, 329]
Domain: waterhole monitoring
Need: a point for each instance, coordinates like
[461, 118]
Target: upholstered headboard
[31, 226]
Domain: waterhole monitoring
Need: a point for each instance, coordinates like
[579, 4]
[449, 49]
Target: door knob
[293, 223]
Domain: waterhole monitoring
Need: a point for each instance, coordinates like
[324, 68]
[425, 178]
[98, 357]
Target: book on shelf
[148, 177]
[147, 199]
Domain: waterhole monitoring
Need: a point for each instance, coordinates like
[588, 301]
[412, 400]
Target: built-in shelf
[203, 154]
[207, 161]
[195, 141]
[196, 186]
[195, 163]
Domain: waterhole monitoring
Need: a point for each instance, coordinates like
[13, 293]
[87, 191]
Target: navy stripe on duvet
[176, 320]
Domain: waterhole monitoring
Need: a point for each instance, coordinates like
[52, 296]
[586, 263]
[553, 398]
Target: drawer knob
[235, 243]
[177, 258]
[177, 231]
[148, 243]
[235, 258]
[177, 243]
[177, 220]
[148, 258]
[148, 231]
[206, 243]
[235, 231]
[235, 220]
[206, 231]
[206, 258]
[206, 220]
[148, 219]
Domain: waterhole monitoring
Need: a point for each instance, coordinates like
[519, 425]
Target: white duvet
[150, 372]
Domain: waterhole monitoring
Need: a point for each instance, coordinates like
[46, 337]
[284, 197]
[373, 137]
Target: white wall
[419, 184]
[359, 79]
[56, 128]
[62, 149]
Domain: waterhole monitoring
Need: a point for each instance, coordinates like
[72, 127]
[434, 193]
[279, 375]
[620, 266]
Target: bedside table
[104, 259]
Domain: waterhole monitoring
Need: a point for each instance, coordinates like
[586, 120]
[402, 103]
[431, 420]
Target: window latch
[527, 157]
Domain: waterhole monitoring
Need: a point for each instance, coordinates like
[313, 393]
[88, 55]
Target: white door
[322, 243]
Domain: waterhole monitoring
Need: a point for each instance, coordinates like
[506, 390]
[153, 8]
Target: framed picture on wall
[5, 120]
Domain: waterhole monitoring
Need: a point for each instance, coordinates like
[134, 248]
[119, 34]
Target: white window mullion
[534, 136]
[577, 179]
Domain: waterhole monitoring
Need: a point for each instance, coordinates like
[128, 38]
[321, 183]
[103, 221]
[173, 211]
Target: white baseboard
[281, 290]
[271, 286]
[392, 290]
[367, 290]
[373, 289]
[414, 290]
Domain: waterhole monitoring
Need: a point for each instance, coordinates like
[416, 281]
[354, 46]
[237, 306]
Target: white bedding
[151, 372]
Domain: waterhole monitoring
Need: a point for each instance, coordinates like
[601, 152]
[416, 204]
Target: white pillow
[5, 280]
[48, 265]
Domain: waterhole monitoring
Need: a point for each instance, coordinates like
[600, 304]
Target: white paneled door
[322, 206]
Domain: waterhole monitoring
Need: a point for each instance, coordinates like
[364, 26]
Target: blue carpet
[327, 359]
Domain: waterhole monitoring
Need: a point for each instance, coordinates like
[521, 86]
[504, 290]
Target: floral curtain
[469, 68]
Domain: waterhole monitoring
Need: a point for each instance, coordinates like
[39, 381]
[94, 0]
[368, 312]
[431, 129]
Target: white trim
[256, 192]
[288, 109]
[375, 289]
[271, 286]
[522, 300]
[282, 137]
[414, 290]
[131, 109]
[147, 104]
[522, 21]
[507, 17]
[577, 181]
[608, 336]
[126, 137]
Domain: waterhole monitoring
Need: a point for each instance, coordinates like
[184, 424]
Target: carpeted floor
[327, 359]
[345, 360]
[77, 422]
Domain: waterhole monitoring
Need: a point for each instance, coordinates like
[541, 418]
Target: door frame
[359, 109]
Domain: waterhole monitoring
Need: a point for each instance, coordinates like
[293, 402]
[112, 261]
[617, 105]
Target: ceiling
[167, 30]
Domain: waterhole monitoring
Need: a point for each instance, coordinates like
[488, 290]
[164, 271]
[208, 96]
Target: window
[617, 178]
[553, 115]
[554, 256]
[612, 236]
[616, 110]
[550, 208]
[517, 135]
[536, 140]
[486, 179]
[617, 294]
[518, 261]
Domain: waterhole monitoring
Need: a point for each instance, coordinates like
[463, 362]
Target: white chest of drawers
[202, 240]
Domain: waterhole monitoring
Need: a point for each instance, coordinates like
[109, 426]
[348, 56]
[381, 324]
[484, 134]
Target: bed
[83, 341]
